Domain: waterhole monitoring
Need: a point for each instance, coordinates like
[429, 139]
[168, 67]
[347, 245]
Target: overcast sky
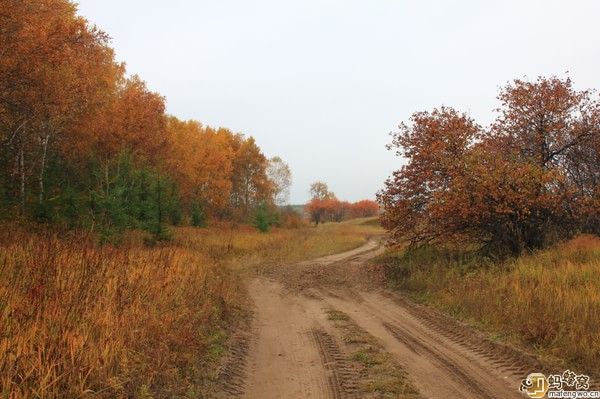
[321, 83]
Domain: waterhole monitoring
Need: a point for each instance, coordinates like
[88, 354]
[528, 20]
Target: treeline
[526, 181]
[325, 207]
[82, 144]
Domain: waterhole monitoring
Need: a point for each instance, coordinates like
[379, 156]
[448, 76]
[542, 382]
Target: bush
[264, 217]
[198, 216]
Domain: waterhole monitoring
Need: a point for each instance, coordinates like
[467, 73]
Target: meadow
[82, 319]
[547, 301]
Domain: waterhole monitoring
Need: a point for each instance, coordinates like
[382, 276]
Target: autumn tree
[250, 184]
[324, 206]
[434, 144]
[317, 210]
[52, 67]
[85, 145]
[280, 175]
[320, 190]
[201, 162]
[363, 209]
[319, 207]
[509, 187]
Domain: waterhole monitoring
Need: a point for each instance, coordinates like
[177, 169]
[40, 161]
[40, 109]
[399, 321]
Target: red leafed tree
[325, 207]
[524, 182]
[364, 208]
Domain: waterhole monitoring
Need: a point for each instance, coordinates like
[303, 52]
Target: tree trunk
[45, 142]
[158, 232]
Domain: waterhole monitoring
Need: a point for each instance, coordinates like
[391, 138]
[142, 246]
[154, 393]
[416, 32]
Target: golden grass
[548, 301]
[243, 247]
[84, 320]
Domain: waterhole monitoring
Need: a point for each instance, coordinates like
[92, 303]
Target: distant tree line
[528, 180]
[325, 207]
[83, 145]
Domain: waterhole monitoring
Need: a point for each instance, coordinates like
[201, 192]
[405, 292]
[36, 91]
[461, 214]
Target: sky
[322, 83]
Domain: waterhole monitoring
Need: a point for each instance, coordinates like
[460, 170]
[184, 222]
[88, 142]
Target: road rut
[295, 352]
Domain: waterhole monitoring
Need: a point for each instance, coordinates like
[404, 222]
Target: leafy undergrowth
[81, 319]
[548, 301]
[381, 376]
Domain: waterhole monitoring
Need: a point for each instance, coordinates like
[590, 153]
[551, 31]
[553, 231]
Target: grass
[381, 375]
[548, 301]
[83, 320]
[243, 247]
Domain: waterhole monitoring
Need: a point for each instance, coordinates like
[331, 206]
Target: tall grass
[84, 320]
[548, 300]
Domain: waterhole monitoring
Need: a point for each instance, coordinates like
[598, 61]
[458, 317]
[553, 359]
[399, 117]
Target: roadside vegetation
[527, 181]
[81, 319]
[84, 145]
[547, 302]
[498, 225]
[123, 230]
[243, 248]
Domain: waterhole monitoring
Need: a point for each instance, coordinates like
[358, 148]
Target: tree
[53, 69]
[201, 162]
[280, 175]
[513, 187]
[542, 120]
[434, 144]
[264, 217]
[250, 183]
[363, 209]
[320, 190]
[85, 145]
[317, 209]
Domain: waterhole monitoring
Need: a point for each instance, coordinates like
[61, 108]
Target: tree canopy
[529, 179]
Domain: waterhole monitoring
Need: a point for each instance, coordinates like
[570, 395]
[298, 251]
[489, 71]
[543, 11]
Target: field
[90, 320]
[547, 301]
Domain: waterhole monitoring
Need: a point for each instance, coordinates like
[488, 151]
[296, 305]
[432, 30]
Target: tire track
[232, 376]
[506, 359]
[469, 383]
[294, 352]
[440, 367]
[342, 381]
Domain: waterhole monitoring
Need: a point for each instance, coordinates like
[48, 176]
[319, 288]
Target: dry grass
[84, 320]
[243, 247]
[548, 301]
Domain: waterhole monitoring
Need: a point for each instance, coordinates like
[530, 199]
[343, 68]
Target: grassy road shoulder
[547, 302]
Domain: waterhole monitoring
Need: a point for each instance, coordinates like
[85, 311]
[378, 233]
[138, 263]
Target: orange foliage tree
[72, 123]
[53, 67]
[201, 162]
[250, 183]
[364, 208]
[511, 187]
[325, 207]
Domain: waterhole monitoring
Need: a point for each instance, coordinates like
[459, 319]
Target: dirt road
[296, 349]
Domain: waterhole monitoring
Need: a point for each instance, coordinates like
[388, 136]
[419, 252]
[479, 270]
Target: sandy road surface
[294, 351]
